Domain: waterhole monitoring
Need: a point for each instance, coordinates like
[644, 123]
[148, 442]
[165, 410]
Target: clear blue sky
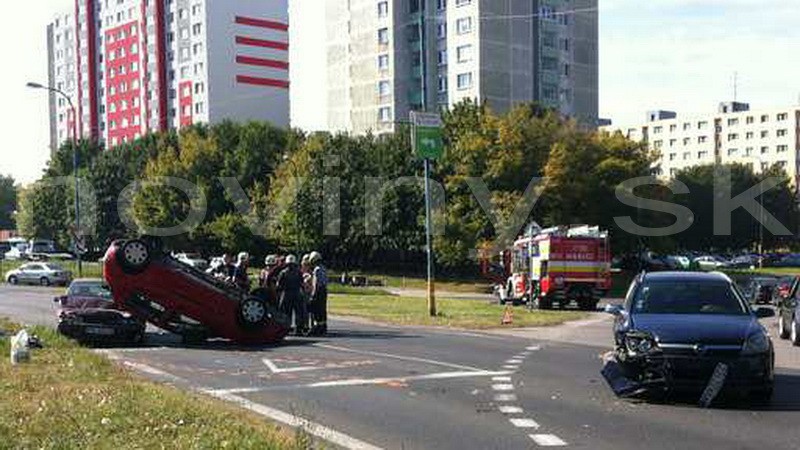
[670, 54]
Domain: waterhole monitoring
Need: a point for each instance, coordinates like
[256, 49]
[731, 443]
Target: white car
[192, 259]
[711, 263]
[44, 274]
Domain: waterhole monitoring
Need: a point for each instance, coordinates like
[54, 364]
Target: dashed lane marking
[524, 423]
[514, 361]
[503, 387]
[547, 440]
[533, 348]
[505, 398]
[502, 379]
[511, 367]
[510, 409]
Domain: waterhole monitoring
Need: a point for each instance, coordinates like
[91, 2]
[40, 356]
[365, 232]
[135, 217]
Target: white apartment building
[735, 134]
[135, 66]
[388, 57]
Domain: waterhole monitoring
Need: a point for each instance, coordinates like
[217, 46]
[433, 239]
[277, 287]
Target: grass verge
[452, 313]
[410, 282]
[70, 397]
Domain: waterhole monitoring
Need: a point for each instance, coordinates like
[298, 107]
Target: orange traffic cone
[508, 316]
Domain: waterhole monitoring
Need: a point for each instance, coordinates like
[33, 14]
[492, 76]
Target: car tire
[44, 281]
[134, 256]
[252, 312]
[545, 303]
[13, 280]
[795, 334]
[783, 332]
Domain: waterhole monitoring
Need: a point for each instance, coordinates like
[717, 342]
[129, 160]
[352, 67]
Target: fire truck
[557, 265]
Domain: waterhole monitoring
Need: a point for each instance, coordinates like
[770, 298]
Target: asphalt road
[368, 386]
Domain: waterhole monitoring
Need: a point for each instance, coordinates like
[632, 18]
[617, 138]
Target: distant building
[388, 57]
[135, 66]
[734, 134]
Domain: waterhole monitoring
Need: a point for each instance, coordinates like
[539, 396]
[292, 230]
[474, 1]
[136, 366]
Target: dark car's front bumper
[122, 331]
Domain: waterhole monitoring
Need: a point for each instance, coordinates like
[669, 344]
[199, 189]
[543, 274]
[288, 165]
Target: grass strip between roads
[71, 397]
[471, 314]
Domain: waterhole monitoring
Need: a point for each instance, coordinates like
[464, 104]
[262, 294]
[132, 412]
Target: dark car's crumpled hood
[696, 328]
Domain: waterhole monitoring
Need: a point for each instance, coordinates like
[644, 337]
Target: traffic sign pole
[429, 240]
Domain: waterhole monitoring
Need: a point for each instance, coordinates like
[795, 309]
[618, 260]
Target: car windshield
[688, 297]
[89, 290]
[54, 267]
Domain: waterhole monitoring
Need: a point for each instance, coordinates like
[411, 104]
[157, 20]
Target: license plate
[100, 331]
[715, 384]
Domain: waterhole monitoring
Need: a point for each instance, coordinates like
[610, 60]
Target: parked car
[789, 316]
[155, 287]
[16, 253]
[744, 262]
[676, 329]
[788, 261]
[710, 262]
[44, 274]
[760, 290]
[88, 314]
[679, 262]
[192, 259]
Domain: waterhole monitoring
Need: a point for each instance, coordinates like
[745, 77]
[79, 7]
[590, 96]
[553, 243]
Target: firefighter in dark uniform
[319, 295]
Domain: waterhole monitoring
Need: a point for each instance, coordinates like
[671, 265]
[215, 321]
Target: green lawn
[452, 313]
[70, 397]
[413, 282]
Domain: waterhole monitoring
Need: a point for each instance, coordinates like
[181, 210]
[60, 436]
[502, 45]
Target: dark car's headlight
[756, 343]
[637, 343]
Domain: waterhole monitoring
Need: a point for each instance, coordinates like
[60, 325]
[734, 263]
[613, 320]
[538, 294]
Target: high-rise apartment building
[134, 66]
[734, 134]
[388, 57]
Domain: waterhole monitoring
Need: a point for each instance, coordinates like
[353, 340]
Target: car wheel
[44, 281]
[545, 303]
[783, 332]
[13, 280]
[795, 337]
[135, 255]
[252, 312]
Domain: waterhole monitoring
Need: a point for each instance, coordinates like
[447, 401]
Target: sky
[679, 55]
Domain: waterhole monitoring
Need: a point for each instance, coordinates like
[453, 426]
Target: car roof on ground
[88, 280]
[685, 276]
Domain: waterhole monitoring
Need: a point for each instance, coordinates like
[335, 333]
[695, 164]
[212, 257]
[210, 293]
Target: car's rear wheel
[783, 332]
[44, 281]
[13, 280]
[252, 312]
[135, 255]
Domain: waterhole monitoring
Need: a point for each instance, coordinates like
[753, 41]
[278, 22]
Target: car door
[24, 275]
[34, 273]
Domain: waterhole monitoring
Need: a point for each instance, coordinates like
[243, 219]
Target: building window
[764, 133]
[672, 156]
[783, 148]
[672, 142]
[782, 164]
[463, 2]
[442, 57]
[764, 118]
[658, 144]
[184, 33]
[686, 156]
[197, 29]
[750, 120]
[199, 108]
[186, 110]
[197, 48]
[686, 141]
[783, 116]
[441, 30]
[657, 130]
[383, 36]
[442, 84]
[385, 114]
[464, 53]
[383, 62]
[733, 136]
[702, 139]
[733, 122]
[673, 128]
[749, 135]
[441, 4]
[112, 107]
[383, 9]
[199, 88]
[464, 80]
[764, 150]
[464, 25]
[384, 88]
[732, 151]
[782, 133]
[687, 126]
[701, 155]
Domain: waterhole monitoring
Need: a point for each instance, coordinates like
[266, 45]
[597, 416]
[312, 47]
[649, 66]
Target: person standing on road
[227, 269]
[290, 284]
[240, 277]
[319, 295]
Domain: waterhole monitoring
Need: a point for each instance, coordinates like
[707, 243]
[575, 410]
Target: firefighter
[240, 276]
[290, 285]
[319, 296]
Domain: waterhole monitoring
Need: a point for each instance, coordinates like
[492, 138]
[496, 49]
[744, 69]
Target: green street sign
[427, 135]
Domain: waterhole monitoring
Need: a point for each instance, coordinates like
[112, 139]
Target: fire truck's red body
[558, 265]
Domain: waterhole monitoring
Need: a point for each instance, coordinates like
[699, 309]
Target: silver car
[44, 274]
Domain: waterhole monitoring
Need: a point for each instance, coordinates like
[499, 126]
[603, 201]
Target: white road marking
[399, 357]
[146, 369]
[510, 409]
[511, 367]
[524, 423]
[502, 379]
[363, 381]
[514, 361]
[547, 440]
[533, 348]
[503, 387]
[313, 428]
[275, 369]
[505, 398]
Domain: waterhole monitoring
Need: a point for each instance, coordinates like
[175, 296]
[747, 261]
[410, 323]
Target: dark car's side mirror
[765, 313]
[614, 310]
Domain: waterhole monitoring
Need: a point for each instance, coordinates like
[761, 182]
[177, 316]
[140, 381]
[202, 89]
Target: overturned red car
[153, 286]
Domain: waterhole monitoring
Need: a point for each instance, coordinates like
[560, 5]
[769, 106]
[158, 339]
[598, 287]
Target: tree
[8, 202]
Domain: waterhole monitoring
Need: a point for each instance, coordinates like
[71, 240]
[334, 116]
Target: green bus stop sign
[427, 135]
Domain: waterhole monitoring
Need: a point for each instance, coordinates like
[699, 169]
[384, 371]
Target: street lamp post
[74, 167]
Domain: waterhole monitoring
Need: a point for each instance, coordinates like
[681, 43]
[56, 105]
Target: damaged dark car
[689, 332]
